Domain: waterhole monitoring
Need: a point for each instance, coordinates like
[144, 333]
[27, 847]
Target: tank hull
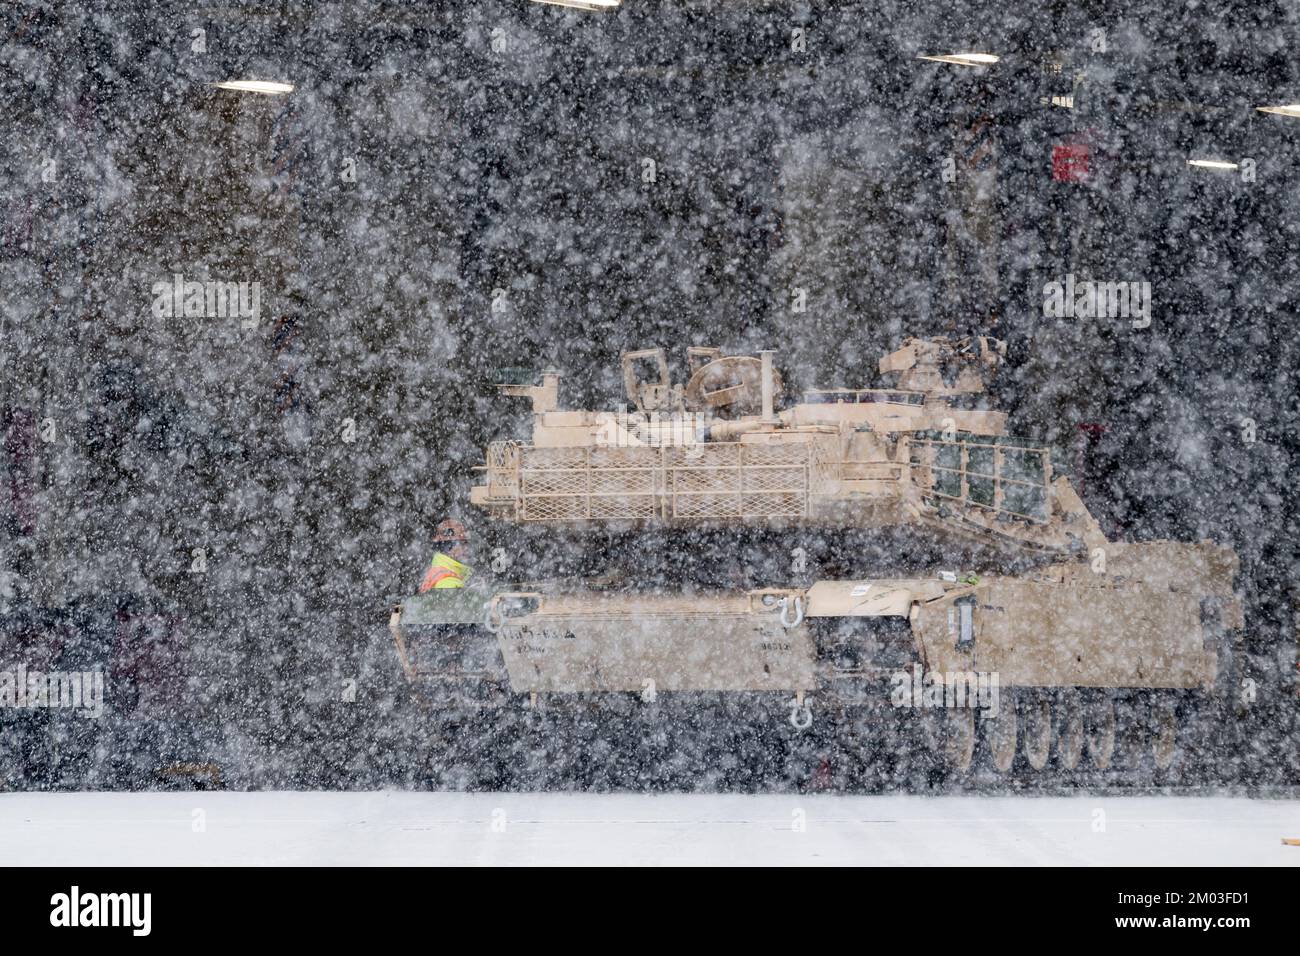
[1073, 660]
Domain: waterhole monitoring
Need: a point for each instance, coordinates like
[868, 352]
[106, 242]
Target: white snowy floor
[432, 828]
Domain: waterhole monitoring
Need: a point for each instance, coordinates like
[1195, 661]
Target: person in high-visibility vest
[445, 572]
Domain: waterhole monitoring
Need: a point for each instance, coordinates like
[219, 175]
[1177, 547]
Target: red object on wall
[1070, 162]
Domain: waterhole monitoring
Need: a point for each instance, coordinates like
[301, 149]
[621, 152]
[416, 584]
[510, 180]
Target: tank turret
[924, 449]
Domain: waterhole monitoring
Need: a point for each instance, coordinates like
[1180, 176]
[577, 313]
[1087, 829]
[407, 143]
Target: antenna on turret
[769, 387]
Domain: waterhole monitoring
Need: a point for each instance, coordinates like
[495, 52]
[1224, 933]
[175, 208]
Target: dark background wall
[455, 188]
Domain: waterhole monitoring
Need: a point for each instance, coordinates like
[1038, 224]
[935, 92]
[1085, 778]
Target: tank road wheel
[1037, 733]
[959, 738]
[1000, 733]
[1069, 729]
[1132, 723]
[1101, 732]
[1164, 731]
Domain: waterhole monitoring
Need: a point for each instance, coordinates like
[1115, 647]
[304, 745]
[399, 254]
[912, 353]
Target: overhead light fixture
[267, 87]
[583, 4]
[1290, 110]
[1211, 164]
[963, 59]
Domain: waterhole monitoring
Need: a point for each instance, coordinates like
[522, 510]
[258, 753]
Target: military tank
[884, 570]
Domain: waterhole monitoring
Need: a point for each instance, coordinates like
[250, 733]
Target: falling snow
[215, 501]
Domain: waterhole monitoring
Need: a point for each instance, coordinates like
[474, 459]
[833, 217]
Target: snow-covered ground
[458, 828]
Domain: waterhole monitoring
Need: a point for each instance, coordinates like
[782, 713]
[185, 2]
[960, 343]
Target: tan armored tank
[1041, 654]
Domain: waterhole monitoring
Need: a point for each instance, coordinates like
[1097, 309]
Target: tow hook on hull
[800, 711]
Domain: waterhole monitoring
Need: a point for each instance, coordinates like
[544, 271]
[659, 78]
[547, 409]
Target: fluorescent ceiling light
[1211, 164]
[583, 4]
[269, 87]
[1291, 110]
[963, 59]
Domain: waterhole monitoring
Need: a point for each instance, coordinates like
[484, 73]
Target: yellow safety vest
[445, 572]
